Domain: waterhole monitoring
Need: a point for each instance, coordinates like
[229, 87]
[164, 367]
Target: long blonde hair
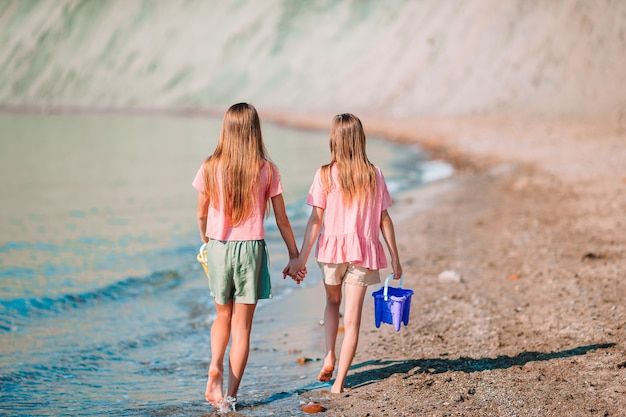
[356, 174]
[239, 157]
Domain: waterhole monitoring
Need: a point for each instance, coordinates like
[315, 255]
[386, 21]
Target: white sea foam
[435, 170]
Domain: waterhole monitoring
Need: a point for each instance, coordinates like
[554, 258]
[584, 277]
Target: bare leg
[331, 325]
[220, 334]
[240, 346]
[352, 323]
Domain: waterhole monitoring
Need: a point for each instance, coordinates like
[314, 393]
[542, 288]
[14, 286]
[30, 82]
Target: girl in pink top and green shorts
[234, 187]
[349, 200]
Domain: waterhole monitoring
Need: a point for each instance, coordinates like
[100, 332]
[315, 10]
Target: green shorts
[238, 271]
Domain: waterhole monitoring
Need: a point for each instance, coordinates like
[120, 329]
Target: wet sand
[533, 221]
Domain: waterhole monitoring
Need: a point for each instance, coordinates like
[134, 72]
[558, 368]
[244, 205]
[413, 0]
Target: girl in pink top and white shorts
[350, 199]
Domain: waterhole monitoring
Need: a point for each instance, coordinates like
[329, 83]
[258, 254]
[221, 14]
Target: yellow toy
[202, 259]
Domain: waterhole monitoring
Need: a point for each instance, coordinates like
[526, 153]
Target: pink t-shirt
[350, 233]
[219, 227]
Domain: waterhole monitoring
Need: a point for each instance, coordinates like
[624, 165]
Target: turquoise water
[103, 307]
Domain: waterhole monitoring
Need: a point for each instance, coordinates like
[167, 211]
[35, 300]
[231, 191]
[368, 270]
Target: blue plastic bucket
[392, 305]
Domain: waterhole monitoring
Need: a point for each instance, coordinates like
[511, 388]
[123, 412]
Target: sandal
[228, 404]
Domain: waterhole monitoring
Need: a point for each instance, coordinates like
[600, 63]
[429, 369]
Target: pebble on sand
[312, 408]
[450, 276]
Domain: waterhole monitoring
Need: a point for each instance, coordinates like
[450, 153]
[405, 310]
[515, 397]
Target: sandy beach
[533, 223]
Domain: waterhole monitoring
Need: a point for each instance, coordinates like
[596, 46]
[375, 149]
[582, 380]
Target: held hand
[302, 273]
[288, 270]
[295, 270]
[285, 272]
[299, 276]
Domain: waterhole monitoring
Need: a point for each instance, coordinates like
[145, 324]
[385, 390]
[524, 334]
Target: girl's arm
[310, 235]
[282, 221]
[386, 226]
[203, 208]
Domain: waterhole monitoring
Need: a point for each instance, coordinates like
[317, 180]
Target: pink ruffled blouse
[350, 233]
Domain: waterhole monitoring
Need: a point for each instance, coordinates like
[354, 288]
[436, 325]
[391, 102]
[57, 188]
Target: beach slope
[533, 223]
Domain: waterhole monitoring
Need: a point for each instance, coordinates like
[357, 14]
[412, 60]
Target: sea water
[103, 306]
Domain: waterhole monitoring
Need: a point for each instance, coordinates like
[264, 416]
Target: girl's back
[221, 227]
[360, 216]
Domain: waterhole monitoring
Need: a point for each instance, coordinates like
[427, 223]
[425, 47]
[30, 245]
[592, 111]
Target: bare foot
[326, 373]
[337, 389]
[213, 393]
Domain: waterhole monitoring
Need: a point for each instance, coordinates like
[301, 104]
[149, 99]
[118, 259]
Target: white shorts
[336, 274]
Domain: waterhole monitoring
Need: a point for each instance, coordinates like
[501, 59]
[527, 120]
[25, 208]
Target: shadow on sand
[384, 369]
